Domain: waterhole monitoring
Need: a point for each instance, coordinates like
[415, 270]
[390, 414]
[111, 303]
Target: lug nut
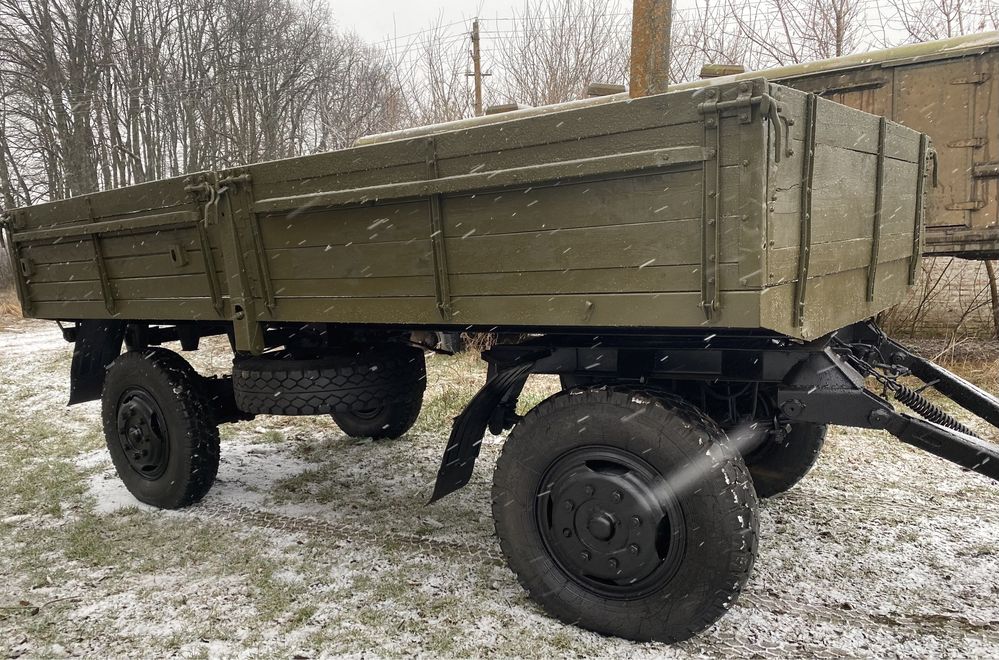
[584, 555]
[636, 521]
[566, 532]
[588, 490]
[612, 563]
[634, 549]
[568, 505]
[617, 496]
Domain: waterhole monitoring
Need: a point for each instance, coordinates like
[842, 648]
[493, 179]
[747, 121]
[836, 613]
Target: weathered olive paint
[680, 210]
[948, 89]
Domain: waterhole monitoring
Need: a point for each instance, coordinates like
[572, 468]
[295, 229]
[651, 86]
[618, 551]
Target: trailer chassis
[821, 382]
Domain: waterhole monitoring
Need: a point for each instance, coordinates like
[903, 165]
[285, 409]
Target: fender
[98, 343]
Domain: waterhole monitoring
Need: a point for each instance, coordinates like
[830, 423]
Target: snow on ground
[313, 544]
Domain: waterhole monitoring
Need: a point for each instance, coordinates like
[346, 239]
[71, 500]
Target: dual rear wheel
[161, 418]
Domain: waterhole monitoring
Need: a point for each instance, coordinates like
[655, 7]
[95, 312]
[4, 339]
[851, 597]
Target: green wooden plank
[595, 280]
[652, 198]
[358, 260]
[362, 287]
[369, 224]
[621, 246]
[652, 159]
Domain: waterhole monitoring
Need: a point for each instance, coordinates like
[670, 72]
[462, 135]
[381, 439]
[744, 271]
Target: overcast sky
[375, 20]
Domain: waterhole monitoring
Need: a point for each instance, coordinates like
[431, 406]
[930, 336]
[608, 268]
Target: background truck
[697, 267]
[949, 90]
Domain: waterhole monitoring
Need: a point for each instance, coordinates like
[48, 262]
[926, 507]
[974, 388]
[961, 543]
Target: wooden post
[477, 67]
[650, 33]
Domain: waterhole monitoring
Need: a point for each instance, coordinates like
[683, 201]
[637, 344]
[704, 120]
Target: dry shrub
[9, 306]
[951, 301]
[478, 341]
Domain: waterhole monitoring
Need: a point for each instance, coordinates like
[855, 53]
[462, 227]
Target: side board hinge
[879, 194]
[805, 236]
[917, 228]
[711, 205]
[442, 284]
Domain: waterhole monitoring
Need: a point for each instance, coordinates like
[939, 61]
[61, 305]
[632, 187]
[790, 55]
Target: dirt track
[313, 544]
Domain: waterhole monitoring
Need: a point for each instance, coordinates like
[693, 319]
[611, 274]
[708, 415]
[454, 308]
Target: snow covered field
[313, 544]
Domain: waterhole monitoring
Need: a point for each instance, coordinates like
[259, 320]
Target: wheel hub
[610, 520]
[142, 434]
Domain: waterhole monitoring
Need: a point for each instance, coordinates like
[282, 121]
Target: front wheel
[160, 428]
[625, 513]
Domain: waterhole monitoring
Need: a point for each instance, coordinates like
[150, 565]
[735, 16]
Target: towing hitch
[830, 387]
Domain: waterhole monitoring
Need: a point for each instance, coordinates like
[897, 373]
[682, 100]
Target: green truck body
[739, 205]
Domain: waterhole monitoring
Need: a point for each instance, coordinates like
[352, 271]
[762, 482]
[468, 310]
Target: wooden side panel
[641, 246]
[844, 196]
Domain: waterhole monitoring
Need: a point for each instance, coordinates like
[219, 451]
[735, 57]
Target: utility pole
[477, 67]
[650, 35]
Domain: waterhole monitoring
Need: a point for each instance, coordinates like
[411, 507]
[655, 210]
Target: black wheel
[625, 513]
[382, 422]
[160, 428]
[784, 458]
[365, 379]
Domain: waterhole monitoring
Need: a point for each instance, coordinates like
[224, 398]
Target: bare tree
[792, 31]
[925, 20]
[104, 93]
[554, 49]
[431, 75]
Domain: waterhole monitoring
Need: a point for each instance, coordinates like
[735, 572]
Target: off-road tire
[184, 421]
[782, 460]
[361, 379]
[717, 511]
[385, 422]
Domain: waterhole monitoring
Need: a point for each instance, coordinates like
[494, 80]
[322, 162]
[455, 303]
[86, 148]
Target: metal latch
[973, 79]
[5, 224]
[970, 143]
[986, 170]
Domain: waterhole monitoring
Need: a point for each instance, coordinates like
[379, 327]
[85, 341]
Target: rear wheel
[625, 513]
[160, 429]
[785, 457]
[382, 422]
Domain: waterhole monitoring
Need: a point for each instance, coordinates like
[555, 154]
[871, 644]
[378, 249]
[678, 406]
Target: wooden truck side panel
[667, 211]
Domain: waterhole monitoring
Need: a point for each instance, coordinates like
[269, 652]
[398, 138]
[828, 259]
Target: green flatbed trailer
[697, 267]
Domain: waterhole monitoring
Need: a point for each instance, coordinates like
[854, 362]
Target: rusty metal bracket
[201, 193]
[917, 227]
[102, 274]
[711, 207]
[248, 329]
[244, 182]
[805, 235]
[102, 270]
[442, 283]
[879, 195]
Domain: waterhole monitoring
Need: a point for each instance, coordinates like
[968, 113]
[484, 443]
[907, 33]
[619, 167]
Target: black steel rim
[610, 521]
[142, 433]
[366, 414]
